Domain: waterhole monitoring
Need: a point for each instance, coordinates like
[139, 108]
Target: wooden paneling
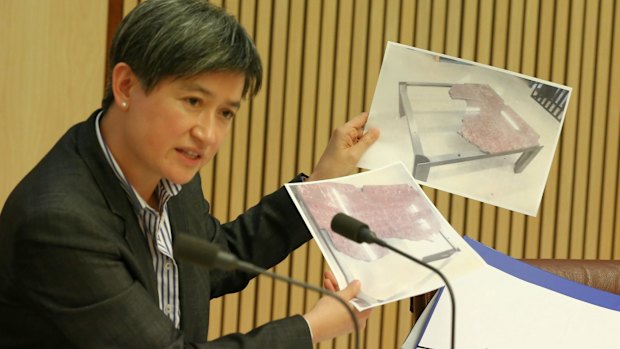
[321, 61]
[323, 68]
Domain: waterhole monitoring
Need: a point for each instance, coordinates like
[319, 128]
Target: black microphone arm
[207, 254]
[359, 232]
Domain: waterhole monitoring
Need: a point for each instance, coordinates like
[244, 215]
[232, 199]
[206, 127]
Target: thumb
[351, 290]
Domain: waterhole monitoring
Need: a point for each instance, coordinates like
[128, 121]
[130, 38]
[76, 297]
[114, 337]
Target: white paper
[394, 207]
[470, 157]
[497, 310]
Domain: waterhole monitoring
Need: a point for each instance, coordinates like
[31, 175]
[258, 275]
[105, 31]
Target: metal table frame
[422, 163]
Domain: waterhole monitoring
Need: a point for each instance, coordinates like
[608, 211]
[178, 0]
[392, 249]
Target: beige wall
[52, 60]
[322, 59]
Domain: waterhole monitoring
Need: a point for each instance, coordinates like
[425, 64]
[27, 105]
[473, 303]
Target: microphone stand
[357, 231]
[436, 271]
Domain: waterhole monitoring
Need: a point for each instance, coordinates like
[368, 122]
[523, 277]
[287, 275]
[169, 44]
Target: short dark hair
[182, 38]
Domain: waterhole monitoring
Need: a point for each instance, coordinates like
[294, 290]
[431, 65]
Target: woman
[85, 239]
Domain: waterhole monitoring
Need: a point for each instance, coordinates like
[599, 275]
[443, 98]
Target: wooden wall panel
[557, 42]
[611, 182]
[570, 42]
[321, 63]
[297, 92]
[584, 131]
[596, 149]
[239, 179]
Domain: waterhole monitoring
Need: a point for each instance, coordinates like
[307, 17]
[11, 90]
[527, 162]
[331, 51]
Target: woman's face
[175, 129]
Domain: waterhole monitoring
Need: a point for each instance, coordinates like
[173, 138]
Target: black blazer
[75, 269]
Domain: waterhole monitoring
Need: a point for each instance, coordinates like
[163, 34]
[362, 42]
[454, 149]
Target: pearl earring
[124, 105]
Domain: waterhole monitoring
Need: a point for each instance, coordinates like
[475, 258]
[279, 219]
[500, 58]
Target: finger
[351, 290]
[366, 141]
[329, 278]
[353, 135]
[362, 317]
[358, 121]
[327, 284]
[364, 314]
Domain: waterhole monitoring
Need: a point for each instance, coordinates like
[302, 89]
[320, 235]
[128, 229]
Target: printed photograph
[396, 209]
[466, 128]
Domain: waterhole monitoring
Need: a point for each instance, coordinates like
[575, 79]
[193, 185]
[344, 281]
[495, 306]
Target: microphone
[353, 229]
[207, 254]
[359, 232]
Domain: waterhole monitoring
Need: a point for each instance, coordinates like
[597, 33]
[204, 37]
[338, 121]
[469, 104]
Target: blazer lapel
[118, 202]
[193, 279]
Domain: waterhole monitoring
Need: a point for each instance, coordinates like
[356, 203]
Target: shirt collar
[165, 189]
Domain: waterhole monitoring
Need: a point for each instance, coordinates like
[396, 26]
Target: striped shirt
[155, 225]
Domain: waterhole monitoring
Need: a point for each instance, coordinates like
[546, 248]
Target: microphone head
[195, 250]
[348, 227]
